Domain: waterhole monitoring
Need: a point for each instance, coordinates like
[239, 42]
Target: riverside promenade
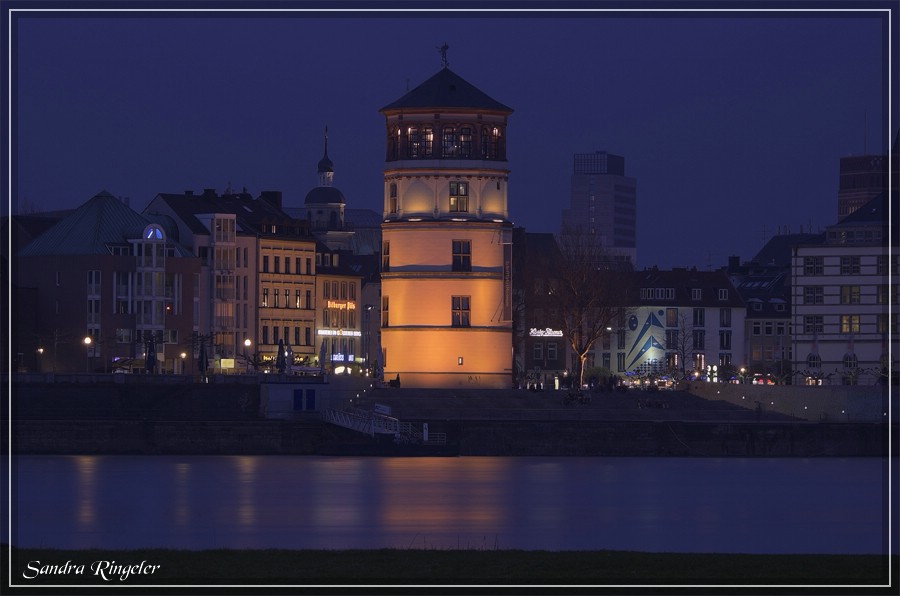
[227, 418]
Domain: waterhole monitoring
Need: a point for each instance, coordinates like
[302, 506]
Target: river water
[753, 505]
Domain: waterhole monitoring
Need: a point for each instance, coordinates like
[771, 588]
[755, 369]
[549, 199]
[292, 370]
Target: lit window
[849, 323]
[450, 142]
[849, 294]
[459, 197]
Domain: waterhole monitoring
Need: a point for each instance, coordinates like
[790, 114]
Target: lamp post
[87, 354]
[183, 356]
[247, 344]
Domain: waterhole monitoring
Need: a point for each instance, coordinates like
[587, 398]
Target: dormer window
[723, 294]
[154, 232]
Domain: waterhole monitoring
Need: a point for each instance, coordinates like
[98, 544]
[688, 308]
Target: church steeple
[326, 167]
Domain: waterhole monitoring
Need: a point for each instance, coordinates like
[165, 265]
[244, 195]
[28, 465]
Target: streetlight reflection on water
[665, 504]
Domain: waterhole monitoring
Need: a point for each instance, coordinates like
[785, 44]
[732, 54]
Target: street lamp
[183, 356]
[87, 354]
[247, 344]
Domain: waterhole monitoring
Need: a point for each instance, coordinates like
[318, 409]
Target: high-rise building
[603, 204]
[862, 177]
[446, 309]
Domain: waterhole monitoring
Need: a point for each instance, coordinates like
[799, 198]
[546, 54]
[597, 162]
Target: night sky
[733, 124]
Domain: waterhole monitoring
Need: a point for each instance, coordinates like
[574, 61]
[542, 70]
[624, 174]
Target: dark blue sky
[732, 124]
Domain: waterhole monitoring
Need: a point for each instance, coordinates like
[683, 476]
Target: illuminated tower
[446, 254]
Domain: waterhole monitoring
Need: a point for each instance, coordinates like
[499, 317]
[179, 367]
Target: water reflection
[667, 504]
[182, 494]
[87, 471]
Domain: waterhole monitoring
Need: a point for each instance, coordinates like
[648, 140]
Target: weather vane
[443, 50]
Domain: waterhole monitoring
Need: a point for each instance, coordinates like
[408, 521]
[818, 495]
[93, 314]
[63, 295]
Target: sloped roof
[875, 211]
[362, 218]
[684, 281]
[777, 251]
[102, 220]
[250, 213]
[446, 89]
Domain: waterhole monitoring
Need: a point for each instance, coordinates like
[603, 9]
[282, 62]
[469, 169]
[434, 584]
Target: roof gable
[446, 89]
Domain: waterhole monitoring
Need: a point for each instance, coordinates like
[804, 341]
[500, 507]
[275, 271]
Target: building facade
[861, 178]
[844, 307]
[540, 351]
[603, 204]
[446, 304]
[680, 323]
[256, 285]
[110, 286]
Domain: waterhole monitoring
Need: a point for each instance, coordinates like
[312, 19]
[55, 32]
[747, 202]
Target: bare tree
[587, 293]
[683, 346]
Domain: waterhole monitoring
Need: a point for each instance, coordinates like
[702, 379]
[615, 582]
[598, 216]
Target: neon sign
[545, 332]
[340, 332]
[341, 305]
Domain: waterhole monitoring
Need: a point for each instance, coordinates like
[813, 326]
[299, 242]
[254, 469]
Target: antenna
[866, 133]
[443, 50]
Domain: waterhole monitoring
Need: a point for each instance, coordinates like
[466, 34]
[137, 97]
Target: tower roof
[446, 89]
[325, 164]
[324, 195]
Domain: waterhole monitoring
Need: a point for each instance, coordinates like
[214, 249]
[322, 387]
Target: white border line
[452, 10]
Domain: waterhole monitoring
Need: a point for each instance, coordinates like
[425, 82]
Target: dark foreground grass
[445, 567]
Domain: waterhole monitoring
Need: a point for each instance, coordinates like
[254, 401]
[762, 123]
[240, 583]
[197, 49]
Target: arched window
[851, 361]
[465, 141]
[813, 361]
[450, 142]
[392, 207]
[427, 142]
[412, 142]
[393, 148]
[490, 142]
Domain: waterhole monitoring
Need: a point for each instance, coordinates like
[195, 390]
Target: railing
[362, 421]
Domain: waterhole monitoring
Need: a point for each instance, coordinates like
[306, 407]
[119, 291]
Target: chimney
[188, 193]
[209, 193]
[734, 263]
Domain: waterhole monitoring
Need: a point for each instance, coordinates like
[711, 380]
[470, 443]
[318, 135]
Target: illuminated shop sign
[545, 332]
[342, 358]
[340, 332]
[347, 305]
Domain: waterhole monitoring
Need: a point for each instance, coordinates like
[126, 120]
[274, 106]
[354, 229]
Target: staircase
[373, 423]
[362, 421]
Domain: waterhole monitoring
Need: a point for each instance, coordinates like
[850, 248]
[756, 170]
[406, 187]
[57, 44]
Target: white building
[841, 298]
[682, 323]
